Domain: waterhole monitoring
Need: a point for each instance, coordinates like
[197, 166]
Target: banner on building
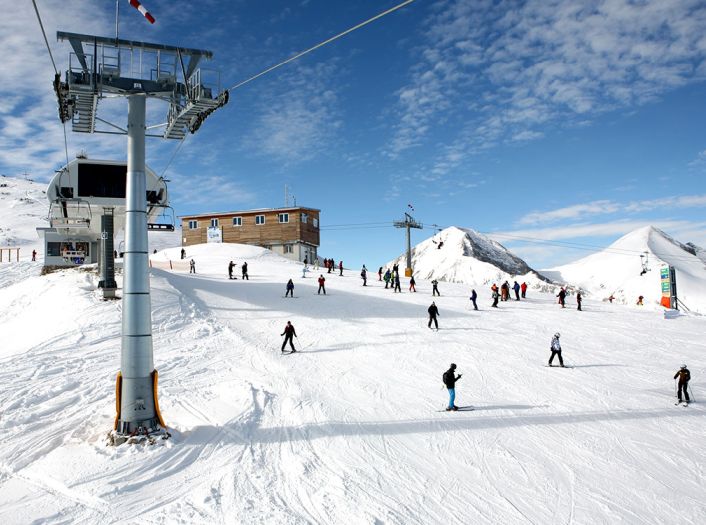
[214, 235]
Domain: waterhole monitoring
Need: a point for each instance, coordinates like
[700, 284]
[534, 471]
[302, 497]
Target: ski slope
[351, 428]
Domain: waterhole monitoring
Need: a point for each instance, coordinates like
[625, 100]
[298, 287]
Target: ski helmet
[683, 366]
[453, 366]
[557, 335]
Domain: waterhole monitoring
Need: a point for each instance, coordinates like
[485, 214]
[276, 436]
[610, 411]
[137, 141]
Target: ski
[557, 366]
[459, 409]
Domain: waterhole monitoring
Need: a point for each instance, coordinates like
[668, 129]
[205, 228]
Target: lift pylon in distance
[101, 67]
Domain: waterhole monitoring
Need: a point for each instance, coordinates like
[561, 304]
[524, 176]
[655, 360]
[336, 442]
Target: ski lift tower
[99, 68]
[408, 223]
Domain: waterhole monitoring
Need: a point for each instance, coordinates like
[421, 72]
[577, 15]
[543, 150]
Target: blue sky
[555, 120]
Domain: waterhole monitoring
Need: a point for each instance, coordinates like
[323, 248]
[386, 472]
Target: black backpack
[445, 378]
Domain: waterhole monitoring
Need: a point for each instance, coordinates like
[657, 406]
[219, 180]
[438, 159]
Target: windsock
[137, 5]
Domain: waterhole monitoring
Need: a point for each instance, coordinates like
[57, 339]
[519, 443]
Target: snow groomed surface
[348, 429]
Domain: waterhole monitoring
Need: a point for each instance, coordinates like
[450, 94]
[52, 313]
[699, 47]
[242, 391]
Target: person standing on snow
[683, 385]
[34, 255]
[523, 288]
[579, 298]
[387, 277]
[340, 267]
[412, 282]
[192, 266]
[322, 280]
[231, 265]
[244, 269]
[449, 378]
[474, 296]
[495, 295]
[433, 313]
[556, 350]
[562, 297]
[290, 289]
[380, 274]
[516, 288]
[183, 253]
[288, 334]
[435, 288]
[397, 288]
[364, 275]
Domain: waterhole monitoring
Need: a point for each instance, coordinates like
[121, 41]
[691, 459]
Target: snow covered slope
[698, 251]
[351, 428]
[467, 257]
[617, 269]
[23, 208]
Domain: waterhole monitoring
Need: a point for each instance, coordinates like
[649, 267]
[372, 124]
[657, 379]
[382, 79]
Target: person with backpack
[290, 289]
[364, 275]
[412, 284]
[435, 288]
[449, 378]
[579, 298]
[433, 313]
[683, 385]
[231, 265]
[244, 269]
[556, 350]
[289, 333]
[562, 297]
[474, 296]
[523, 289]
[322, 280]
[387, 277]
[516, 288]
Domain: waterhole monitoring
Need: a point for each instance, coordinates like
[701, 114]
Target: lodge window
[284, 217]
[237, 221]
[315, 222]
[214, 223]
[288, 248]
[193, 225]
[305, 218]
[259, 219]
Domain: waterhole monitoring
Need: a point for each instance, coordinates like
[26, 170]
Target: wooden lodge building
[292, 232]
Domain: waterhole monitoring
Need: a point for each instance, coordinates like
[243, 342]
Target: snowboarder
[34, 255]
[397, 288]
[523, 288]
[412, 283]
[288, 333]
[364, 275]
[340, 267]
[231, 265]
[244, 268]
[578, 300]
[387, 277]
[562, 297]
[556, 350]
[290, 289]
[322, 280]
[433, 313]
[449, 378]
[192, 266]
[639, 301]
[183, 253]
[516, 288]
[683, 385]
[380, 274]
[474, 296]
[435, 288]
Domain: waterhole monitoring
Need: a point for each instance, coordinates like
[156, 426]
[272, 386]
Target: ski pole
[692, 393]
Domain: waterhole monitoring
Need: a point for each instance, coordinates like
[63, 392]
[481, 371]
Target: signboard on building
[214, 235]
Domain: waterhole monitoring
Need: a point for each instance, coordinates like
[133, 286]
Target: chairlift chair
[165, 220]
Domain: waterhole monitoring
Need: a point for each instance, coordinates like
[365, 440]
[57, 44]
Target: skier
[244, 268]
[412, 282]
[495, 295]
[639, 299]
[231, 265]
[578, 300]
[322, 280]
[364, 275]
[290, 289]
[340, 267]
[562, 297]
[387, 277]
[329, 265]
[433, 313]
[683, 386]
[474, 296]
[556, 350]
[304, 270]
[288, 333]
[611, 299]
[183, 253]
[449, 378]
[435, 288]
[516, 287]
[523, 288]
[192, 266]
[397, 288]
[34, 255]
[380, 274]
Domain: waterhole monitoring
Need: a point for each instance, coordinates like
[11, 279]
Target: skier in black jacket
[244, 269]
[449, 378]
[231, 265]
[288, 333]
[683, 385]
[433, 312]
[474, 296]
